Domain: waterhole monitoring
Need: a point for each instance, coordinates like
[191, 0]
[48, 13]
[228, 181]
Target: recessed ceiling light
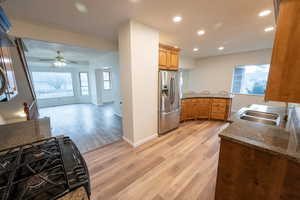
[177, 19]
[221, 48]
[81, 7]
[264, 13]
[201, 32]
[270, 28]
[195, 49]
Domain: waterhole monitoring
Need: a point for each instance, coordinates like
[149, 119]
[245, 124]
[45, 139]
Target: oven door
[3, 83]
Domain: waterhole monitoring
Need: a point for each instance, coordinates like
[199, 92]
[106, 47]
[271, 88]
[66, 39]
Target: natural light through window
[250, 79]
[52, 84]
[84, 83]
[107, 80]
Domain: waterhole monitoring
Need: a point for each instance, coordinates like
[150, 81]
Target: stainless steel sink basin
[261, 117]
[265, 115]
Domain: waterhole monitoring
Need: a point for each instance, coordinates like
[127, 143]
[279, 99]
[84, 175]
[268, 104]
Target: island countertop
[201, 95]
[269, 138]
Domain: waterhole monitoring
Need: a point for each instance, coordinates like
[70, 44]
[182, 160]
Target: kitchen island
[259, 161]
[206, 106]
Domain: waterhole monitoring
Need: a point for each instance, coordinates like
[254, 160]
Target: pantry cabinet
[284, 82]
[168, 58]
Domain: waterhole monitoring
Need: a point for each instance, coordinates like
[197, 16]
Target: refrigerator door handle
[172, 90]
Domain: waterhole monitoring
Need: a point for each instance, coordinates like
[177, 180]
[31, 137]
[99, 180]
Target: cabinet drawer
[219, 105]
[219, 109]
[203, 101]
[220, 101]
[217, 115]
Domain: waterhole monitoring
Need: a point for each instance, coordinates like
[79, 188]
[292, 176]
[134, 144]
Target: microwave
[8, 86]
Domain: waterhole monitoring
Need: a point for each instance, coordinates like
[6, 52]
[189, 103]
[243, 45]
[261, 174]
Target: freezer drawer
[168, 121]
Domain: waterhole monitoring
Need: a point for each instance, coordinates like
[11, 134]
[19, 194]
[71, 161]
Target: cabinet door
[203, 108]
[284, 82]
[188, 111]
[184, 109]
[163, 58]
[174, 60]
[219, 109]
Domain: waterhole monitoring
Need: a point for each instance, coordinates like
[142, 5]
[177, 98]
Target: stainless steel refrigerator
[169, 101]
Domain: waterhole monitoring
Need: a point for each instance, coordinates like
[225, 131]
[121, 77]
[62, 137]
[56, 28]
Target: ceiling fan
[59, 61]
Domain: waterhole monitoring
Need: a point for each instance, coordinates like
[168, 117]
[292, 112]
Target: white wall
[138, 53]
[186, 62]
[26, 29]
[216, 73]
[99, 95]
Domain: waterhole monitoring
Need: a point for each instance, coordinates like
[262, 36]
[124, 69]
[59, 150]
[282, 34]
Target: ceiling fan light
[59, 64]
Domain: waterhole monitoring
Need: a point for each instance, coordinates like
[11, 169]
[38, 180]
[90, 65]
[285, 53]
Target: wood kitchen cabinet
[219, 109]
[284, 77]
[168, 58]
[187, 109]
[205, 108]
[202, 108]
[246, 173]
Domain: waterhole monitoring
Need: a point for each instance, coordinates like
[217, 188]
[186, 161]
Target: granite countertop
[199, 95]
[273, 139]
[24, 132]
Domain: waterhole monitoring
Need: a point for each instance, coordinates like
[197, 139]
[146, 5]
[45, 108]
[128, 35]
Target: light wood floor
[88, 125]
[180, 165]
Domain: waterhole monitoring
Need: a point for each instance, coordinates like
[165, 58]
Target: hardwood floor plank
[88, 125]
[179, 165]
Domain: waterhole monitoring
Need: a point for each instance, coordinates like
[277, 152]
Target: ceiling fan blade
[47, 60]
[33, 59]
[79, 62]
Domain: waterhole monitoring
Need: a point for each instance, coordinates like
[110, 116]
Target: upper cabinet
[168, 58]
[284, 77]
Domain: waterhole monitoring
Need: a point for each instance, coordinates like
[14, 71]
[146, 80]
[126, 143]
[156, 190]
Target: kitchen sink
[265, 115]
[261, 117]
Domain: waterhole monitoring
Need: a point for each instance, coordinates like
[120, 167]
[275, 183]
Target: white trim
[128, 141]
[143, 141]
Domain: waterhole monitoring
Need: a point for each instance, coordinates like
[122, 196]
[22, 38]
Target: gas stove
[46, 169]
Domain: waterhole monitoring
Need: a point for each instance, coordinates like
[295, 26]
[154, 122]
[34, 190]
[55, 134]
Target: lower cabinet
[246, 173]
[205, 108]
[202, 108]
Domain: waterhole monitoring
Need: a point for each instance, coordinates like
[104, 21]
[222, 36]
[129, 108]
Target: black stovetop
[46, 169]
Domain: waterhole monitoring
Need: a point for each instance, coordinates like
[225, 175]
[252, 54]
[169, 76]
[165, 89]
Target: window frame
[81, 86]
[110, 79]
[232, 82]
[54, 71]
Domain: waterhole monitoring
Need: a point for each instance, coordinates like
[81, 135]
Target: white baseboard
[128, 141]
[143, 141]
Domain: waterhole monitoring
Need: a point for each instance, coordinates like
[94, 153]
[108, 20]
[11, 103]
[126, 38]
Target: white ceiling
[45, 50]
[231, 23]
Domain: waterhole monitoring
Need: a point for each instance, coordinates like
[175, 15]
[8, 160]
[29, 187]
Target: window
[84, 83]
[52, 84]
[107, 80]
[250, 79]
